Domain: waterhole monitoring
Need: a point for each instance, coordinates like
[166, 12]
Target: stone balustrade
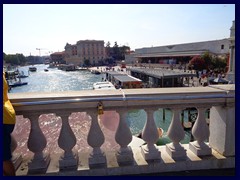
[217, 152]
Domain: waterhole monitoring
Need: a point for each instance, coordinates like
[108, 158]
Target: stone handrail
[219, 98]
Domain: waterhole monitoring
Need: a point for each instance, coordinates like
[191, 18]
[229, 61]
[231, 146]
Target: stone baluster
[95, 139]
[200, 132]
[176, 134]
[150, 135]
[66, 141]
[123, 137]
[36, 143]
[16, 158]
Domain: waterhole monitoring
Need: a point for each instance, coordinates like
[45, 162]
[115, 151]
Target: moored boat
[32, 69]
[95, 72]
[21, 75]
[15, 84]
[103, 85]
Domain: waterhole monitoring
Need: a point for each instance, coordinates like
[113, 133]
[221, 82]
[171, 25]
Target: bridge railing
[220, 133]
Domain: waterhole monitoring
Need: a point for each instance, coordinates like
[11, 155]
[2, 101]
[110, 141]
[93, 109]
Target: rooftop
[159, 73]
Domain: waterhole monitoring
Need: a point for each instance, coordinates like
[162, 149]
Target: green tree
[15, 59]
[208, 59]
[219, 64]
[22, 59]
[4, 56]
[123, 51]
[116, 51]
[108, 49]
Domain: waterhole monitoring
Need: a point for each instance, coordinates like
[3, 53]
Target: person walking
[9, 120]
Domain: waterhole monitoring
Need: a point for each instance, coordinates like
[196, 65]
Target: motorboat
[12, 83]
[103, 85]
[95, 72]
[21, 75]
[32, 69]
[15, 84]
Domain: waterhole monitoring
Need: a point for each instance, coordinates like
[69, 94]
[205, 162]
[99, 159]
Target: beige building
[91, 51]
[179, 52]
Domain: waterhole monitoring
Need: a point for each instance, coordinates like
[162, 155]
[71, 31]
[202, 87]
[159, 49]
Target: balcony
[87, 151]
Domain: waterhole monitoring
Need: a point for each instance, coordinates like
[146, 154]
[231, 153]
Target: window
[222, 46]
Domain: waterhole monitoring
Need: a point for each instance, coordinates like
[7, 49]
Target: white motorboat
[103, 85]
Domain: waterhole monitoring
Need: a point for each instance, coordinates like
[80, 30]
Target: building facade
[85, 52]
[58, 58]
[179, 53]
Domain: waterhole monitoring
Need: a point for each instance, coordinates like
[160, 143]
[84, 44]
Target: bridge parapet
[126, 159]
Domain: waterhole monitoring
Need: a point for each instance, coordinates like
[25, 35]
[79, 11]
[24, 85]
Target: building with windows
[58, 58]
[179, 53]
[85, 52]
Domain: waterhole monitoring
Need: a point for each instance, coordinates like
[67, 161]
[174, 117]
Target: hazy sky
[27, 27]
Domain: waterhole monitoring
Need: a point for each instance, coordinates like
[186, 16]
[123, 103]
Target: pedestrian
[9, 120]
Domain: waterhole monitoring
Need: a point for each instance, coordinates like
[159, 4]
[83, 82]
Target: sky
[48, 27]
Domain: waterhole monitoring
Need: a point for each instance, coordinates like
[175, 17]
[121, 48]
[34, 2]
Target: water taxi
[18, 83]
[103, 85]
[32, 69]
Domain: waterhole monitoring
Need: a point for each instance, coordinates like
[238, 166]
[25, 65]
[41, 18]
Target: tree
[198, 63]
[123, 51]
[22, 59]
[219, 64]
[108, 49]
[207, 58]
[15, 59]
[116, 51]
[4, 56]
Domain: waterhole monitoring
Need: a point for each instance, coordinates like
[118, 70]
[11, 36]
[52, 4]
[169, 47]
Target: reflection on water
[55, 80]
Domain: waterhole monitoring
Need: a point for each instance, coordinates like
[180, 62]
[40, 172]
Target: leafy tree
[15, 59]
[4, 56]
[116, 51]
[22, 59]
[123, 51]
[219, 64]
[108, 49]
[198, 63]
[208, 59]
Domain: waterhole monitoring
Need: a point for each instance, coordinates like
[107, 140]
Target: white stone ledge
[140, 166]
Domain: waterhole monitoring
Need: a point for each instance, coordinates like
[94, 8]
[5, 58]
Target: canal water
[55, 80]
